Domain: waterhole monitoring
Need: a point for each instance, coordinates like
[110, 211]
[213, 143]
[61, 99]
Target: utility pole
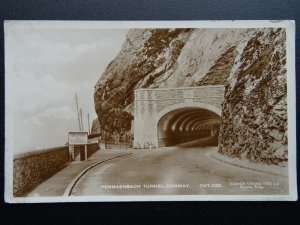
[88, 116]
[78, 114]
[81, 119]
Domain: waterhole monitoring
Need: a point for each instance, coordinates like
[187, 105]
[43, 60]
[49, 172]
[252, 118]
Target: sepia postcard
[150, 111]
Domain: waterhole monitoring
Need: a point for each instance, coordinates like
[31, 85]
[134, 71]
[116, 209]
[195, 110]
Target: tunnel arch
[201, 105]
[188, 123]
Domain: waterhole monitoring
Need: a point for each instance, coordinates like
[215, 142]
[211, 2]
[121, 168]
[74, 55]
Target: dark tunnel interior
[189, 127]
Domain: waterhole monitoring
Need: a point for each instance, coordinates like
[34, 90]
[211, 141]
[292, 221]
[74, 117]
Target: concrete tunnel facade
[173, 116]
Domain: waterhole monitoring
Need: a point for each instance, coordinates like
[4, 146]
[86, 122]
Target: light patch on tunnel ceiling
[181, 122]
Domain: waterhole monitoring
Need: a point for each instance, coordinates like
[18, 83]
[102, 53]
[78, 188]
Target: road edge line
[72, 184]
[245, 167]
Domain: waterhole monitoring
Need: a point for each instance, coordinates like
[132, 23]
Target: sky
[45, 67]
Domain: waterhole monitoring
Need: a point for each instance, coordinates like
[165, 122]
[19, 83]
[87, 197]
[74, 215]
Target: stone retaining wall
[79, 151]
[32, 168]
[111, 145]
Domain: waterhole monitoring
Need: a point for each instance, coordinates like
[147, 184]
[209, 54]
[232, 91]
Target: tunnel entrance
[188, 127]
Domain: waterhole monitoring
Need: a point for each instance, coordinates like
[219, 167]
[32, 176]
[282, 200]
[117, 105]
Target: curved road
[207, 141]
[174, 170]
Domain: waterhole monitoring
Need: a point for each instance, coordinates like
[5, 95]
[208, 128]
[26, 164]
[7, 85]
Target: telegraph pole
[88, 116]
[78, 114]
[81, 119]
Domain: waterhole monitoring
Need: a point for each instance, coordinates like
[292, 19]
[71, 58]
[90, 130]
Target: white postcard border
[289, 25]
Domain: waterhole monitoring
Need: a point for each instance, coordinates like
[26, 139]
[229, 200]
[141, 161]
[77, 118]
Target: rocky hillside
[254, 119]
[251, 63]
[160, 58]
[95, 127]
[145, 57]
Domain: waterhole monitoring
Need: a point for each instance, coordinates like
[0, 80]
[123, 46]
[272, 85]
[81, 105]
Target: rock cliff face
[254, 115]
[95, 127]
[250, 62]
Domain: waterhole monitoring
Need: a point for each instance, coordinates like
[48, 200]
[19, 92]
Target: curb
[71, 185]
[244, 167]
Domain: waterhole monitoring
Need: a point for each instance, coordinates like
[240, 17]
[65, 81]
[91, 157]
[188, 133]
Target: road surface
[175, 170]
